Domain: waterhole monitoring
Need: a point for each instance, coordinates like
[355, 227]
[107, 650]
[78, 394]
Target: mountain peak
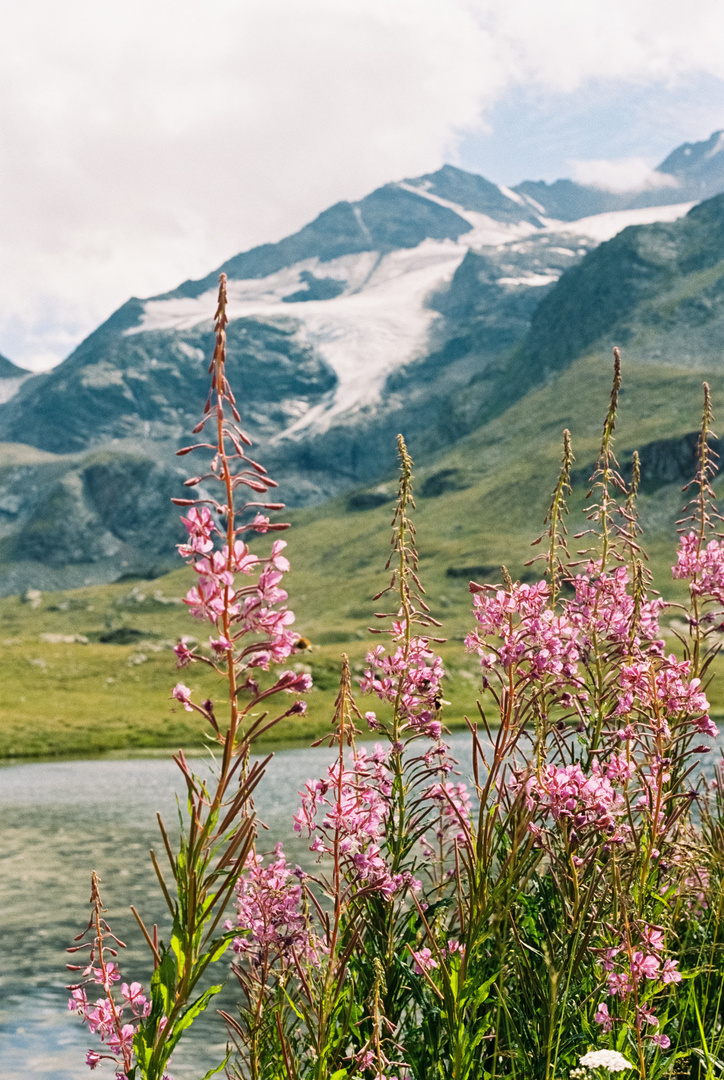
[9, 370]
[698, 163]
[473, 193]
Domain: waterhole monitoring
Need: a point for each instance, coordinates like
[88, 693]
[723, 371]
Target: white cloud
[145, 141]
[623, 174]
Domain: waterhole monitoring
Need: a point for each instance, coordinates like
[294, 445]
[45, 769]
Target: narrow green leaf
[213, 1072]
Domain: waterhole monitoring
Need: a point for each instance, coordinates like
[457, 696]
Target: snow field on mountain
[486, 231]
[382, 320]
[602, 227]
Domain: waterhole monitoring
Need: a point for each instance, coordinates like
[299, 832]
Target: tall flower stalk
[250, 632]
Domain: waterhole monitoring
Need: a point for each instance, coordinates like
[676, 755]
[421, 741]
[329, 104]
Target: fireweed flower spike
[114, 1017]
[605, 511]
[554, 519]
[238, 592]
[409, 678]
[700, 556]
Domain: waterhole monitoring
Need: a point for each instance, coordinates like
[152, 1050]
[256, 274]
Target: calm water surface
[59, 821]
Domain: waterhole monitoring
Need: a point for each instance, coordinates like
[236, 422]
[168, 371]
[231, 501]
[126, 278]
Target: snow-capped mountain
[370, 313]
[320, 321]
[373, 317]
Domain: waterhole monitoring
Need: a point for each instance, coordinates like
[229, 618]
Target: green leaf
[163, 985]
[213, 1072]
[217, 948]
[192, 1012]
[293, 1007]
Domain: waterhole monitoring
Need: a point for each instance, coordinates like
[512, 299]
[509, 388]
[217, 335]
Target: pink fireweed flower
[122, 1041]
[93, 1058]
[617, 768]
[214, 571]
[267, 590]
[242, 561]
[134, 996]
[78, 1001]
[602, 1017]
[659, 1039]
[644, 966]
[199, 525]
[199, 522]
[205, 601]
[669, 974]
[644, 1015]
[619, 984]
[260, 524]
[653, 937]
[221, 645]
[100, 1018]
[704, 568]
[184, 655]
[706, 726]
[264, 620]
[183, 694]
[424, 960]
[277, 560]
[112, 975]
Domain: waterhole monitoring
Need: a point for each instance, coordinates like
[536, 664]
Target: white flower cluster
[605, 1059]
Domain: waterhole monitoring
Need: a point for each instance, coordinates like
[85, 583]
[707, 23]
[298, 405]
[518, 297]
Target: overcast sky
[145, 141]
